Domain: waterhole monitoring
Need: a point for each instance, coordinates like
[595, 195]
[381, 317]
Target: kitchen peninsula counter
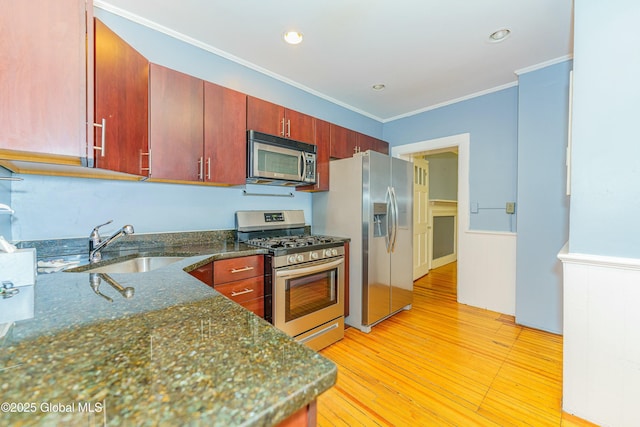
[176, 353]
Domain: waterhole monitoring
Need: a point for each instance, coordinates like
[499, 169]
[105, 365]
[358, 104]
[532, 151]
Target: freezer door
[402, 254]
[376, 291]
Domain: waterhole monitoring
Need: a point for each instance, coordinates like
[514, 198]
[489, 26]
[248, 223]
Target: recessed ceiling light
[378, 86]
[293, 37]
[499, 35]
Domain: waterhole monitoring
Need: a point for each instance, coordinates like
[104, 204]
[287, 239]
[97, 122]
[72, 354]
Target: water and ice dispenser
[380, 220]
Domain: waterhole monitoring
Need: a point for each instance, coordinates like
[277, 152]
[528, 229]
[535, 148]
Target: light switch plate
[511, 207]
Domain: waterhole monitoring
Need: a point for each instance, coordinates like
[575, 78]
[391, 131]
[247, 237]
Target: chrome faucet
[96, 244]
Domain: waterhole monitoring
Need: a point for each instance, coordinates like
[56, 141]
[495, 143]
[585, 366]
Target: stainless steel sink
[133, 265]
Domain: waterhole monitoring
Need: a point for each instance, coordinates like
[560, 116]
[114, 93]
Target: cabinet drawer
[241, 291]
[228, 270]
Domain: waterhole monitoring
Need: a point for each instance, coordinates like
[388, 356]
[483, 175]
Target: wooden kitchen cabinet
[273, 119]
[204, 273]
[366, 142]
[121, 104]
[343, 142]
[225, 137]
[242, 280]
[43, 82]
[176, 123]
[323, 144]
[346, 142]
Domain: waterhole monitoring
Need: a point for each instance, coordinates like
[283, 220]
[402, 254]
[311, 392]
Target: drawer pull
[240, 270]
[246, 291]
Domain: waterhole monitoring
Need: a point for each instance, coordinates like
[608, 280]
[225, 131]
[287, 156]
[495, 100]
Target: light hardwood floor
[446, 364]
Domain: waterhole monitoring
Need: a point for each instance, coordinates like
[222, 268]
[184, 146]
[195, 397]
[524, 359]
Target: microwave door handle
[303, 163]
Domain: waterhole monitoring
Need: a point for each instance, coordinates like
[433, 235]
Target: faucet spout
[96, 244]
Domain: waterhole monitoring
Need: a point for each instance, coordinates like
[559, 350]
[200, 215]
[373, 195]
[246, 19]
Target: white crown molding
[452, 101]
[544, 64]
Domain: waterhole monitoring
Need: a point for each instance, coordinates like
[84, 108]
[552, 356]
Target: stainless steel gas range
[307, 275]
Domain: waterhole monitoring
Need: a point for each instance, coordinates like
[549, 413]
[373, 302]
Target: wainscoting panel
[601, 366]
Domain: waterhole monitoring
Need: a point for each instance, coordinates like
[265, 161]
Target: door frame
[463, 144]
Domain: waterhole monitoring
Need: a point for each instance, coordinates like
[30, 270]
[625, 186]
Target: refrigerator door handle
[394, 203]
[388, 238]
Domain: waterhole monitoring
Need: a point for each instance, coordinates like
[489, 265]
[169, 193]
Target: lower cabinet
[239, 279]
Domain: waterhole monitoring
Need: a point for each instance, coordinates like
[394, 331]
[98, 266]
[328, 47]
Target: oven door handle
[309, 270]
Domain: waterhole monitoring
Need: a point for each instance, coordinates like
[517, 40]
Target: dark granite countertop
[175, 353]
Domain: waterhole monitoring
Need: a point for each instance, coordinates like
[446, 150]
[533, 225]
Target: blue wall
[58, 207]
[543, 206]
[492, 121]
[605, 193]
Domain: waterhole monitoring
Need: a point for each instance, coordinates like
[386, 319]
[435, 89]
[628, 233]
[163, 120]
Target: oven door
[308, 295]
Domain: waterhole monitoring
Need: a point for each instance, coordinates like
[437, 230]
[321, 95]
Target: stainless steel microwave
[279, 161]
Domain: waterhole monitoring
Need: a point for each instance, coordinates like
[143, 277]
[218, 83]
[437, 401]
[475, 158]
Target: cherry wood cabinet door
[381, 146]
[323, 144]
[366, 142]
[274, 119]
[121, 100]
[299, 126]
[43, 107]
[175, 125]
[265, 117]
[343, 142]
[204, 273]
[225, 137]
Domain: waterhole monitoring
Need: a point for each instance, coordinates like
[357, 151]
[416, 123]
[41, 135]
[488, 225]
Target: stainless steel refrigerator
[370, 201]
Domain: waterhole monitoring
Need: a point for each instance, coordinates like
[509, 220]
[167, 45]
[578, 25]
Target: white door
[420, 217]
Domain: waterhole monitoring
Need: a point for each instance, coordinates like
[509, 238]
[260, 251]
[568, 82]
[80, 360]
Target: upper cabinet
[197, 130]
[43, 84]
[346, 142]
[343, 142]
[225, 136]
[176, 123]
[273, 119]
[121, 99]
[366, 142]
[159, 123]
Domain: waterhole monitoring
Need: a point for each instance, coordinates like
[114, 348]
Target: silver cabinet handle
[102, 147]
[148, 170]
[201, 168]
[209, 168]
[246, 291]
[282, 124]
[288, 128]
[240, 270]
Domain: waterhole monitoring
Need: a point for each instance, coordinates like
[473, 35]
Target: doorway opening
[461, 144]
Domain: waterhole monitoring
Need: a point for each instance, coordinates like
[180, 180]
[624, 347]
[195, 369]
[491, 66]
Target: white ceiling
[427, 52]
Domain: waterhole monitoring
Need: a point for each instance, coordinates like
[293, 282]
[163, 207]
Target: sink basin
[134, 265]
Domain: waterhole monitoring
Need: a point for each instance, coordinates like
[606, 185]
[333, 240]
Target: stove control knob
[314, 255]
[299, 258]
[291, 259]
[334, 252]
